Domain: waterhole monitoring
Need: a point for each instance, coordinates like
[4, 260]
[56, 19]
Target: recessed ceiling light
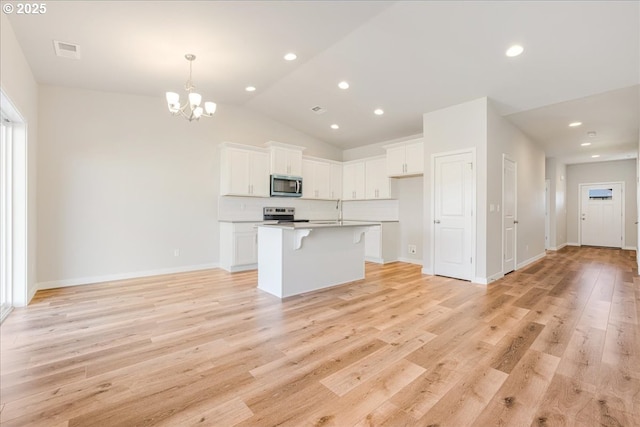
[343, 85]
[574, 124]
[378, 111]
[585, 144]
[250, 88]
[335, 126]
[595, 156]
[514, 50]
[290, 56]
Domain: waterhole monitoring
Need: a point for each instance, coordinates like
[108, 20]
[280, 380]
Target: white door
[509, 221]
[601, 215]
[453, 215]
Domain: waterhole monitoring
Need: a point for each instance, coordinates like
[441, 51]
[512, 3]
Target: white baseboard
[113, 277]
[557, 248]
[530, 260]
[32, 293]
[630, 248]
[427, 271]
[237, 268]
[572, 244]
[374, 259]
[410, 260]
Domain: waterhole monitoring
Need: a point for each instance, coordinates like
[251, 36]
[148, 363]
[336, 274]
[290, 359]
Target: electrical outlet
[176, 252]
[413, 249]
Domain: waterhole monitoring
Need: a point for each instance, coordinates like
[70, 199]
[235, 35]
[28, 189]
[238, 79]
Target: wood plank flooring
[555, 344]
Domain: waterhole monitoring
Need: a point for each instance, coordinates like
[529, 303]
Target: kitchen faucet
[339, 207]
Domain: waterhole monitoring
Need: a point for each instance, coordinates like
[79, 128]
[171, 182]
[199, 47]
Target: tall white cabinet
[377, 183]
[244, 171]
[316, 179]
[353, 180]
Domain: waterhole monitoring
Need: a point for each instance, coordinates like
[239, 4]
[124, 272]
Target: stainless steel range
[280, 215]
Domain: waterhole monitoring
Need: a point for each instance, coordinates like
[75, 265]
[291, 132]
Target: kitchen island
[295, 258]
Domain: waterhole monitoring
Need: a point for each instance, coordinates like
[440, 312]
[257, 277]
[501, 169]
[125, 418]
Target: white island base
[297, 258]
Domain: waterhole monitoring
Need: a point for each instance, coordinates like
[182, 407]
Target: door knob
[515, 221]
[437, 221]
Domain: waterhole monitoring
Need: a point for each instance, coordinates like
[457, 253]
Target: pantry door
[453, 215]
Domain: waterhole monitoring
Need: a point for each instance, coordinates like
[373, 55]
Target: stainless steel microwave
[286, 186]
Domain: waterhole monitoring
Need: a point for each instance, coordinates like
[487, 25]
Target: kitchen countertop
[318, 224]
[311, 221]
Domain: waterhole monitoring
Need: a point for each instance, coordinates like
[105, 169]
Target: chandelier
[191, 110]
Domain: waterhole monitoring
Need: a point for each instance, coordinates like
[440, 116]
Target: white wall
[410, 204]
[460, 127]
[19, 85]
[505, 138]
[613, 171]
[123, 183]
[556, 173]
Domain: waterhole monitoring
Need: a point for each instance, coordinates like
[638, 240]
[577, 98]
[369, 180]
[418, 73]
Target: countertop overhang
[318, 224]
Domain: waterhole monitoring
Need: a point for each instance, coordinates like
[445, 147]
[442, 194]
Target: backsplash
[231, 208]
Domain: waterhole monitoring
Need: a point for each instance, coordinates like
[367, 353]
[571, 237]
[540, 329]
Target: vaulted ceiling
[581, 62]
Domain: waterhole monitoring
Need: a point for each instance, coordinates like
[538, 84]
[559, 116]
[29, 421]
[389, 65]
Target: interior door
[453, 214]
[601, 215]
[509, 221]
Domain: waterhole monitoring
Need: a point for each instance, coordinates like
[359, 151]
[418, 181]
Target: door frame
[515, 215]
[547, 214]
[588, 184]
[474, 214]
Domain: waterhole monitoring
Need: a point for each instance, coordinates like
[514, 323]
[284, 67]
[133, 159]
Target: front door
[601, 215]
[509, 221]
[453, 215]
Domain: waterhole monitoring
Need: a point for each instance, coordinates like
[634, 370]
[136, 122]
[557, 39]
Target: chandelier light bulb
[210, 107]
[195, 99]
[173, 98]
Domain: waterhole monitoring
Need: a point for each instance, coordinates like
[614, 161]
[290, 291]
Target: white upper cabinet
[353, 180]
[243, 171]
[405, 158]
[285, 159]
[316, 179]
[336, 180]
[377, 183]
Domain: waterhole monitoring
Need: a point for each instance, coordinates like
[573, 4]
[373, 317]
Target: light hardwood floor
[555, 344]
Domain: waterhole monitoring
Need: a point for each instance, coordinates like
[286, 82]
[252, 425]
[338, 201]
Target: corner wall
[505, 138]
[460, 127]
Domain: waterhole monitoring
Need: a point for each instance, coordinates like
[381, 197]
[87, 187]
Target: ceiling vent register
[66, 50]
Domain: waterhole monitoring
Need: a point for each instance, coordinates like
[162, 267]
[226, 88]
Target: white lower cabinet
[238, 246]
[381, 243]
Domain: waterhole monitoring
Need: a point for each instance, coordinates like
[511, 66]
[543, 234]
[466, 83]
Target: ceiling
[581, 62]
